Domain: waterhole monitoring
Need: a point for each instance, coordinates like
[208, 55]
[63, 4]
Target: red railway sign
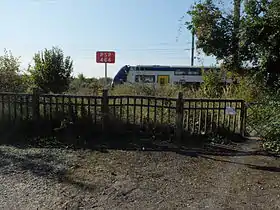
[105, 57]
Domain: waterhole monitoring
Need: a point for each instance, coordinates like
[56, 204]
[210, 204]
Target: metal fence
[196, 116]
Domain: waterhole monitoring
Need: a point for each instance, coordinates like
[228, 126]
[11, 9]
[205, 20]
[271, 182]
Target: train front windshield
[121, 76]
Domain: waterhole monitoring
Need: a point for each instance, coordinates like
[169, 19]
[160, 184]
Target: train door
[163, 79]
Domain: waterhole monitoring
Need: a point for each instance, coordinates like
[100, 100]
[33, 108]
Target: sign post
[105, 83]
[105, 57]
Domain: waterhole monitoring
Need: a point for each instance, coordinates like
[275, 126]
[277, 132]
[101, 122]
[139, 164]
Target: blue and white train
[161, 75]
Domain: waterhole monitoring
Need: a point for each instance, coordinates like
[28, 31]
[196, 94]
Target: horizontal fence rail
[194, 116]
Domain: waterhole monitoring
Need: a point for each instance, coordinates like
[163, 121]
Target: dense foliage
[10, 79]
[52, 72]
[87, 86]
[240, 39]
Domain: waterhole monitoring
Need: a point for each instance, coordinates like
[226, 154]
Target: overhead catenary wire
[162, 46]
[165, 50]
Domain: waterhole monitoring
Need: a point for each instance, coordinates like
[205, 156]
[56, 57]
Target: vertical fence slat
[179, 117]
[27, 106]
[242, 118]
[155, 111]
[134, 110]
[212, 117]
[206, 117]
[219, 113]
[121, 108]
[141, 112]
[188, 116]
[234, 118]
[229, 119]
[15, 106]
[76, 106]
[83, 111]
[200, 116]
[162, 111]
[21, 102]
[148, 110]
[50, 108]
[9, 107]
[169, 111]
[35, 105]
[44, 106]
[56, 104]
[70, 108]
[114, 107]
[224, 117]
[88, 107]
[63, 104]
[105, 109]
[95, 110]
[127, 110]
[194, 115]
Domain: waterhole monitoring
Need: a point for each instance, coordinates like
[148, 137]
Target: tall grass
[260, 117]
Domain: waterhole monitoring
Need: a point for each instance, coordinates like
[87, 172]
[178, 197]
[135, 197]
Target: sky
[139, 31]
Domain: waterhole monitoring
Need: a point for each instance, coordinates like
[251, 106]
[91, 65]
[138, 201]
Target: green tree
[260, 40]
[52, 72]
[10, 79]
[81, 78]
[217, 31]
[237, 40]
[213, 29]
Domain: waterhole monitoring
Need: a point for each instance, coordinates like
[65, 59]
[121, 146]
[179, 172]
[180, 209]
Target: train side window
[180, 72]
[194, 71]
[132, 68]
[188, 71]
[145, 78]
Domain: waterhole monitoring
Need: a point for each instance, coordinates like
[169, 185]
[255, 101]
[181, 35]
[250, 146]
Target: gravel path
[64, 179]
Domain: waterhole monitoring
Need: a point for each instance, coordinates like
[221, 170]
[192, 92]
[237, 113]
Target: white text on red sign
[105, 57]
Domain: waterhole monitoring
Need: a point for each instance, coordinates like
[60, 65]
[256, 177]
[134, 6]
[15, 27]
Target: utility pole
[192, 53]
[235, 38]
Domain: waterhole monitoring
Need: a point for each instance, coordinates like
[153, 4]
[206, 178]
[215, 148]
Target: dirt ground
[238, 177]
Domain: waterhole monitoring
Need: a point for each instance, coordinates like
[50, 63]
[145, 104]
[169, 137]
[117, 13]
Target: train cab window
[161, 81]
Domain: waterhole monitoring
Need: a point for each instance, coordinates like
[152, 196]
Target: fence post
[105, 109]
[179, 117]
[243, 118]
[35, 104]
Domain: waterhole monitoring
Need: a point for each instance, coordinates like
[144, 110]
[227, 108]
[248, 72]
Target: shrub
[211, 85]
[267, 120]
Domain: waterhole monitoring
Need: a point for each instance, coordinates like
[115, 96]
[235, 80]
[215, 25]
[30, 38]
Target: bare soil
[217, 177]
